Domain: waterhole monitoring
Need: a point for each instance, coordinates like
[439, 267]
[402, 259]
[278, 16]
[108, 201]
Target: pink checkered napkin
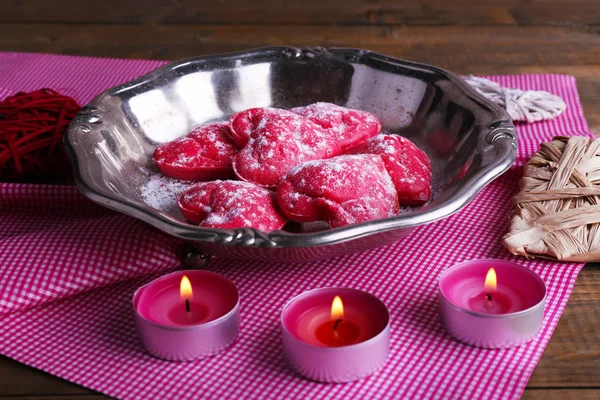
[90, 338]
[55, 243]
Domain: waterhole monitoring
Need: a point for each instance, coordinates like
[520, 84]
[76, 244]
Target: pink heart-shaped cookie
[279, 140]
[408, 166]
[244, 123]
[342, 190]
[229, 205]
[348, 126]
[204, 154]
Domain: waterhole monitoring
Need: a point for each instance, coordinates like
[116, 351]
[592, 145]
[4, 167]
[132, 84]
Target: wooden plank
[313, 12]
[572, 358]
[20, 380]
[448, 45]
[562, 394]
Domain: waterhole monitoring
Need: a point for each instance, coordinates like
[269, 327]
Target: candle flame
[185, 288]
[337, 308]
[491, 281]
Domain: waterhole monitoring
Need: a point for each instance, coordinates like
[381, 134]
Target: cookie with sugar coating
[408, 166]
[350, 127]
[231, 204]
[204, 154]
[244, 123]
[343, 190]
[279, 140]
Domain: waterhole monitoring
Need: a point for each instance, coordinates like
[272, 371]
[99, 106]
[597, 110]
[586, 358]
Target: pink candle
[491, 303]
[187, 315]
[335, 334]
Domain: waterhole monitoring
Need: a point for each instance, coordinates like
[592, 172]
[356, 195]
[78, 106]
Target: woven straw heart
[556, 213]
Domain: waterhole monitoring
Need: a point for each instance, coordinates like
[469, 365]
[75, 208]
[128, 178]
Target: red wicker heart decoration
[32, 126]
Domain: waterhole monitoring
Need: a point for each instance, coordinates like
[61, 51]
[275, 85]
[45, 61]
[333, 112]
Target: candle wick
[337, 321]
[488, 296]
[187, 305]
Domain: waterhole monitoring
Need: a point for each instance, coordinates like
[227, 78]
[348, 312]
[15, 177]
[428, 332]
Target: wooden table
[482, 37]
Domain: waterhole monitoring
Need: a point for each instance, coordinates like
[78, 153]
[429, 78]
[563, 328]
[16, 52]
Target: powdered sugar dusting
[160, 192]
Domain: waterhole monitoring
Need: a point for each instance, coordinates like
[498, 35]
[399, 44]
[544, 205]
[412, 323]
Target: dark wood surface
[466, 36]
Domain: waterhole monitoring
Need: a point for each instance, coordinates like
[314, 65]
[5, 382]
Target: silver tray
[469, 139]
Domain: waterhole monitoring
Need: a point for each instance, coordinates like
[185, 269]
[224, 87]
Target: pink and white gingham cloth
[55, 245]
